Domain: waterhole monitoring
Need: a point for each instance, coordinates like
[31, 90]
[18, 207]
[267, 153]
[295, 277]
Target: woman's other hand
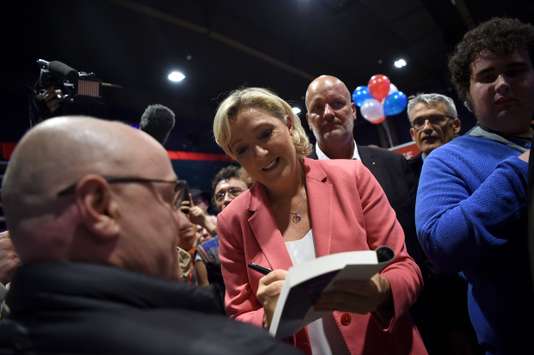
[373, 295]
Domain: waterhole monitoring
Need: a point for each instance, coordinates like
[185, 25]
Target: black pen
[259, 268]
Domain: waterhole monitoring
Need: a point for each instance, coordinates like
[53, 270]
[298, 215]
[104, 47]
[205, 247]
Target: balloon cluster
[380, 98]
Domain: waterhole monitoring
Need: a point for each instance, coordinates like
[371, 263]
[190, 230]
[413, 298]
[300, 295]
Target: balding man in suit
[91, 206]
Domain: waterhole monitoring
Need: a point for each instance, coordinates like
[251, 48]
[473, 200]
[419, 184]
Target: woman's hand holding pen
[269, 289]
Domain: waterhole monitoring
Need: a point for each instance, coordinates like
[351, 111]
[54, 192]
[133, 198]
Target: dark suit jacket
[76, 308]
[399, 183]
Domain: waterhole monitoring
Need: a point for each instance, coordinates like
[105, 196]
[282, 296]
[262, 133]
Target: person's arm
[198, 216]
[456, 226]
[241, 302]
[390, 293]
[201, 272]
[402, 274]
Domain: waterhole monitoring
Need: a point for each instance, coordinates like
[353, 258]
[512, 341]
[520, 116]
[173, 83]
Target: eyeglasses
[233, 192]
[179, 186]
[437, 120]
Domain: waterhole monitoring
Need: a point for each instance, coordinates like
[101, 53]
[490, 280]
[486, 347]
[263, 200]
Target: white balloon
[372, 110]
[392, 88]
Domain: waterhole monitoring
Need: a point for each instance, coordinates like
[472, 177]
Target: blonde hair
[262, 99]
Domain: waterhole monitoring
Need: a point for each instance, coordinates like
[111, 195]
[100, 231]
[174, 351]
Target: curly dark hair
[499, 36]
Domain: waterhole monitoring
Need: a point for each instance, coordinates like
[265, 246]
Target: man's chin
[427, 148]
[334, 135]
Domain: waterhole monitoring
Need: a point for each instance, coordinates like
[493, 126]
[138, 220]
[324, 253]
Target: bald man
[331, 115]
[91, 209]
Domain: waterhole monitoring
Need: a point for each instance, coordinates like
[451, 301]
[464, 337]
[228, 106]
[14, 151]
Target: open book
[305, 282]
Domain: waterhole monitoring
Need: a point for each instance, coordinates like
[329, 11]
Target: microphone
[62, 69]
[158, 121]
[59, 68]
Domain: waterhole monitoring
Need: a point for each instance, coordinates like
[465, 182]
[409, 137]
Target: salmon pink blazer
[348, 211]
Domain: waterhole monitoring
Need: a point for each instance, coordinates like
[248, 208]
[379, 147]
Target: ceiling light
[400, 63]
[296, 110]
[176, 76]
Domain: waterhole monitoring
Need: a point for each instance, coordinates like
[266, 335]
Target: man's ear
[98, 209]
[467, 103]
[412, 133]
[308, 119]
[456, 126]
[354, 111]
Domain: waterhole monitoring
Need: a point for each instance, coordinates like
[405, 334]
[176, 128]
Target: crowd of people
[109, 251]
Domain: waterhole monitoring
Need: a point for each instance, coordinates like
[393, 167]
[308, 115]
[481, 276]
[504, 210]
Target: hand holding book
[346, 281]
[360, 296]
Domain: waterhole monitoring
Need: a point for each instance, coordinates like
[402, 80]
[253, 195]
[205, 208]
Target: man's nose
[227, 198]
[328, 111]
[502, 84]
[427, 126]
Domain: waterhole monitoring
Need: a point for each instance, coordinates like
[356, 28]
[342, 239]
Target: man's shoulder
[377, 153]
[459, 147]
[152, 331]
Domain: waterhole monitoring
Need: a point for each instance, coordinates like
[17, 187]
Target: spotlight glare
[400, 63]
[176, 76]
[296, 110]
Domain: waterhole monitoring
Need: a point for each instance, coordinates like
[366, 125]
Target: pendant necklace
[295, 217]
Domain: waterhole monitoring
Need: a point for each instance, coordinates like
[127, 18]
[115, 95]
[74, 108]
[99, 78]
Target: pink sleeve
[240, 299]
[383, 228]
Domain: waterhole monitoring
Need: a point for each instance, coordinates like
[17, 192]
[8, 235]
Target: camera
[61, 89]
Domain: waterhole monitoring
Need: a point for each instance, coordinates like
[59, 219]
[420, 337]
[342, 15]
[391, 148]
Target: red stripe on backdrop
[179, 155]
[7, 150]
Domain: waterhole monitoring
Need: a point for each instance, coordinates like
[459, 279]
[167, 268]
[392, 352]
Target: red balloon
[379, 86]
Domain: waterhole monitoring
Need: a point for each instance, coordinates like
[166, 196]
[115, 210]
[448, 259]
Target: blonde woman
[299, 209]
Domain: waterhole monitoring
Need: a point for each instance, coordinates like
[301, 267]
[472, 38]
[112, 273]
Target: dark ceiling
[222, 45]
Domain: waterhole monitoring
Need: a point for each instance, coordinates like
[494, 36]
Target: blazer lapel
[319, 192]
[266, 232]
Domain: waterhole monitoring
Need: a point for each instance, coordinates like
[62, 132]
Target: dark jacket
[79, 308]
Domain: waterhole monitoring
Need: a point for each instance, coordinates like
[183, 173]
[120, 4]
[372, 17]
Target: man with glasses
[434, 122]
[442, 305]
[471, 212]
[91, 207]
[227, 185]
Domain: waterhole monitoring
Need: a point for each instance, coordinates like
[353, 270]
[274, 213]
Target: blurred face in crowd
[431, 126]
[331, 113]
[202, 233]
[501, 91]
[262, 144]
[226, 190]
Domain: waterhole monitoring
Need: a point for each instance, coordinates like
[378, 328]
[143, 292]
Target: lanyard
[478, 131]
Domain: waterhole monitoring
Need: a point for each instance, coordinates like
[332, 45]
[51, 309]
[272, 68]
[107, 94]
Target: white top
[322, 156]
[304, 250]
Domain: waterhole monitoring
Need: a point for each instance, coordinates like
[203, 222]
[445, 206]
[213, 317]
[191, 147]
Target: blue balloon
[395, 103]
[360, 94]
